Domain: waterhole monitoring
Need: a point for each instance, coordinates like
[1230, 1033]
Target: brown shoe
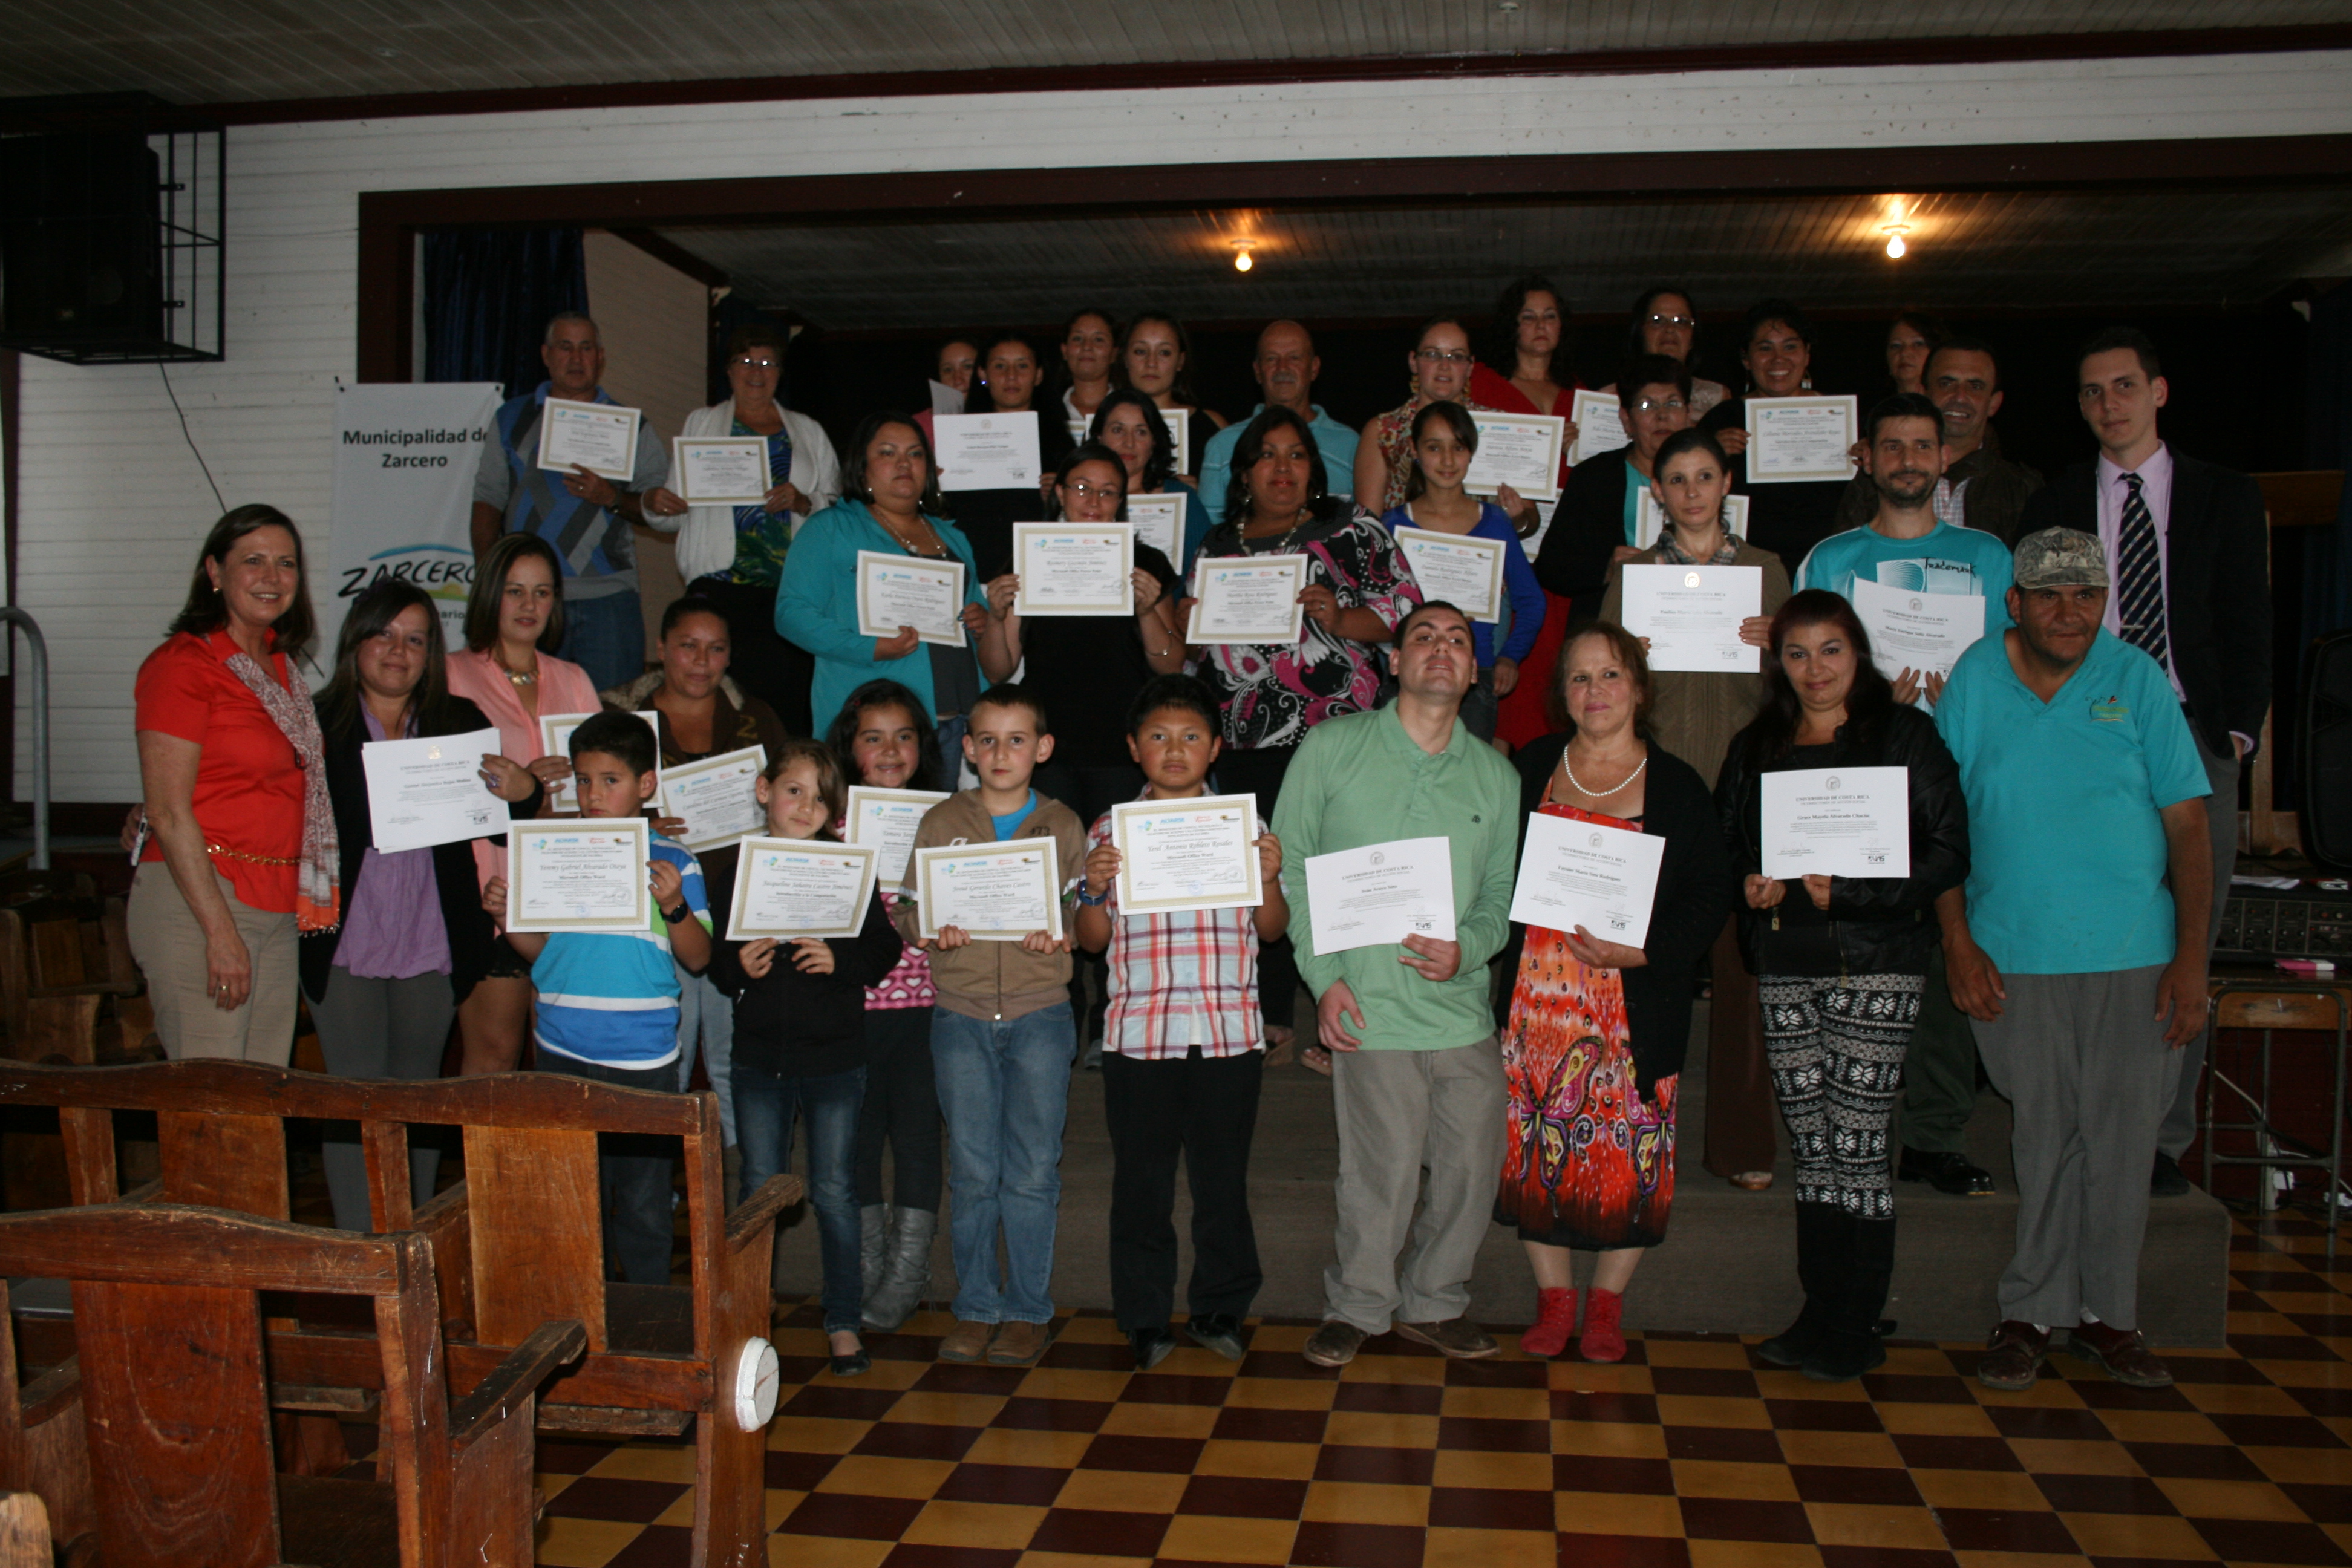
[967, 1341]
[1334, 1344]
[1457, 1336]
[2123, 1352]
[1020, 1345]
[2014, 1356]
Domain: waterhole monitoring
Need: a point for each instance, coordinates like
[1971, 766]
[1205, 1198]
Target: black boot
[1854, 1344]
[1823, 1244]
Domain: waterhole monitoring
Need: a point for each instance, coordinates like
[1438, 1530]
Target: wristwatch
[1093, 901]
[676, 915]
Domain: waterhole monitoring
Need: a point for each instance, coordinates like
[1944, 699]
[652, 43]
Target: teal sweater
[816, 606]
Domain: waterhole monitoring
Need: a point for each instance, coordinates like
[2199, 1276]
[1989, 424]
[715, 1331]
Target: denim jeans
[706, 1019]
[634, 1171]
[764, 1103]
[606, 637]
[1004, 1087]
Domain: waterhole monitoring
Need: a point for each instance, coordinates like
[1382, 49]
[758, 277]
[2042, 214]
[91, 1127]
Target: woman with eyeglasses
[1666, 321]
[1152, 353]
[1439, 366]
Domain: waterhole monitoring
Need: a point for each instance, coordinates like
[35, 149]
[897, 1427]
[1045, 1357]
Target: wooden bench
[158, 1442]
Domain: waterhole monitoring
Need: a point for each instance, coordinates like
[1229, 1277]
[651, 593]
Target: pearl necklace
[1600, 794]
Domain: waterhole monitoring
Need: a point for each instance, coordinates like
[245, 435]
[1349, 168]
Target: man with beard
[1980, 489]
[1286, 368]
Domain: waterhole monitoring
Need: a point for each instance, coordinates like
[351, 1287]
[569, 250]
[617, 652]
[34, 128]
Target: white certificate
[555, 740]
[428, 792]
[1912, 629]
[1247, 599]
[987, 451]
[997, 892]
[884, 820]
[1521, 450]
[588, 874]
[1381, 893]
[1794, 439]
[720, 470]
[945, 399]
[1599, 426]
[1585, 874]
[718, 797]
[896, 590]
[788, 888]
[1649, 519]
[1466, 573]
[1179, 854]
[1073, 568]
[1692, 613]
[1179, 441]
[600, 437]
[1158, 522]
[1838, 822]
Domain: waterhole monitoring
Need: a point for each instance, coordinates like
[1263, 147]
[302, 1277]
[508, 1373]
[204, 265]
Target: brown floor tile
[1396, 1398]
[1822, 1416]
[2077, 1424]
[1490, 1508]
[2322, 1504]
[1256, 1425]
[1378, 1465]
[1927, 1451]
[1171, 1455]
[1034, 1485]
[1500, 1436]
[928, 1554]
[838, 1402]
[2004, 1530]
[1838, 1556]
[1745, 1519]
[1095, 1533]
[1853, 1484]
[1245, 1497]
[2276, 1431]
[1900, 1389]
[1706, 1382]
[912, 1440]
[1623, 1551]
[658, 1546]
[787, 1471]
[1052, 1414]
[2264, 1541]
[1160, 1388]
[1572, 1404]
[2193, 1459]
[1330, 1545]
[2104, 1494]
[1602, 1473]
[865, 1518]
[632, 1502]
[1722, 1443]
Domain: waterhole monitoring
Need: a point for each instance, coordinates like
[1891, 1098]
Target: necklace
[904, 542]
[1282, 546]
[1600, 794]
[520, 677]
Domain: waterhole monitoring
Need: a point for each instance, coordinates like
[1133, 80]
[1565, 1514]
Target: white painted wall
[113, 505]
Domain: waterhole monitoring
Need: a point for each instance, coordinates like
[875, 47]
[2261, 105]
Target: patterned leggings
[1836, 1049]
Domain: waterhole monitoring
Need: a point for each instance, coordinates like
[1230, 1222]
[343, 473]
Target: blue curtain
[2328, 554]
[487, 297]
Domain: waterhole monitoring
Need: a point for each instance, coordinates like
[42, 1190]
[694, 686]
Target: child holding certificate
[799, 1041]
[608, 1000]
[1181, 1058]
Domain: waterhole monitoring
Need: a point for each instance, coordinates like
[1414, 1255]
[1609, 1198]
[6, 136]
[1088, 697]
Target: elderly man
[1979, 489]
[584, 516]
[2078, 943]
[1286, 368]
[1417, 1073]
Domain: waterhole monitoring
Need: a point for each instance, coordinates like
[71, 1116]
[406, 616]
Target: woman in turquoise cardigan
[891, 506]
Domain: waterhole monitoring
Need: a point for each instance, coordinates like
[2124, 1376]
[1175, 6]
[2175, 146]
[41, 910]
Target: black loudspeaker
[81, 245]
[2326, 803]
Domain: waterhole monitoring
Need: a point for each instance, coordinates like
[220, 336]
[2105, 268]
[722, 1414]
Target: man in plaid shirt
[1181, 1054]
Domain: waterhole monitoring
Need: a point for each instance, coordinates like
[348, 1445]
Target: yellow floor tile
[1730, 1479]
[1365, 1502]
[2305, 1466]
[1203, 1538]
[1499, 1404]
[873, 1475]
[1921, 1361]
[1788, 1384]
[1071, 1560]
[1618, 1439]
[2016, 1560]
[2306, 1374]
[1122, 1491]
[1695, 1410]
[2047, 1393]
[1980, 1488]
[1134, 1420]
[583, 1542]
[1697, 1352]
[1425, 1370]
[1281, 1337]
[2241, 1399]
[946, 1409]
[646, 1463]
[681, 1512]
[1590, 1377]
[1514, 1472]
[882, 1375]
[1753, 1555]
[2060, 1457]
[1071, 1382]
[1380, 1429]
[1446, 1547]
[823, 1552]
[1616, 1513]
[1189, 1360]
[1868, 1524]
[984, 1524]
[778, 1508]
[1273, 1461]
[2136, 1535]
[814, 1434]
[1047, 1450]
[1939, 1420]
[1872, 1448]
[1091, 1331]
[2161, 1426]
[1280, 1394]
[2228, 1499]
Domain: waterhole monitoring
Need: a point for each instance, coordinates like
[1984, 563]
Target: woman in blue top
[891, 506]
[1128, 423]
[1445, 438]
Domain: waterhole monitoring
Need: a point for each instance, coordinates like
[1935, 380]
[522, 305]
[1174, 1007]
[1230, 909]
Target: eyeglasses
[748, 363]
[1441, 356]
[1655, 405]
[1086, 491]
[1685, 323]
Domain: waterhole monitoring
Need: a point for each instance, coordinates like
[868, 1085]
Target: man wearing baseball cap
[2078, 942]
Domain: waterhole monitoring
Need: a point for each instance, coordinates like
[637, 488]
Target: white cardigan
[706, 539]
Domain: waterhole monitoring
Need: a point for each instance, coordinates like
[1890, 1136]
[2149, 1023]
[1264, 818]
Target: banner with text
[404, 462]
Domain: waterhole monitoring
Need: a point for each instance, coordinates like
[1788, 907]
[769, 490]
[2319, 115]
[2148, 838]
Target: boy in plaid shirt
[1182, 1054]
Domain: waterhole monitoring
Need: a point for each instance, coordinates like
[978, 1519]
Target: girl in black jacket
[1841, 961]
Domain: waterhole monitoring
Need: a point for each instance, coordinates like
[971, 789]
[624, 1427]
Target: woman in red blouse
[240, 846]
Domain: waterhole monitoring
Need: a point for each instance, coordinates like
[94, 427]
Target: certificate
[1794, 439]
[555, 740]
[428, 792]
[1576, 874]
[1158, 522]
[997, 892]
[896, 590]
[987, 451]
[1180, 441]
[720, 470]
[884, 820]
[1911, 629]
[600, 437]
[587, 874]
[1841, 822]
[718, 797]
[1182, 855]
[1074, 569]
[1650, 518]
[1692, 613]
[791, 888]
[1247, 599]
[1521, 450]
[1381, 893]
[1599, 424]
[1466, 573]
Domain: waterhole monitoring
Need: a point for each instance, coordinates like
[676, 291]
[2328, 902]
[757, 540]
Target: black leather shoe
[1948, 1172]
[2166, 1180]
[1152, 1347]
[856, 1363]
[1219, 1332]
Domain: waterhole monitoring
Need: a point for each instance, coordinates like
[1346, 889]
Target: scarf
[318, 904]
[1671, 554]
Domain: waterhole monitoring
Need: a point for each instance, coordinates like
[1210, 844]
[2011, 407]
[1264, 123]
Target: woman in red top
[239, 849]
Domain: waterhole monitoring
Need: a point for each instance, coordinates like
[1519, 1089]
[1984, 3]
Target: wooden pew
[172, 1401]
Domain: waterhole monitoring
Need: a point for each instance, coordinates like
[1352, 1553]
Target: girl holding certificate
[1128, 423]
[1840, 961]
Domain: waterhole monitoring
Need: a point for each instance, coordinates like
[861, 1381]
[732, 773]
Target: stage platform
[1728, 1264]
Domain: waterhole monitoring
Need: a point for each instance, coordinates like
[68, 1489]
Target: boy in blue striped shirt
[608, 1000]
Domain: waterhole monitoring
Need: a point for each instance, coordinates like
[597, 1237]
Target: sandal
[1752, 1181]
[1315, 1059]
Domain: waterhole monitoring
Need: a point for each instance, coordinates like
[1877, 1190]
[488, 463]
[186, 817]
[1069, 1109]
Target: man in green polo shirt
[1416, 1071]
[2078, 943]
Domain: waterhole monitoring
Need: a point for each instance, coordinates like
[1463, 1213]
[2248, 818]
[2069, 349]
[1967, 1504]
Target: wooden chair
[172, 1399]
[24, 1532]
[519, 1241]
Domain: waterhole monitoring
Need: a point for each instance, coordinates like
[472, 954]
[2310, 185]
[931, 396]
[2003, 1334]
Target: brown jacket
[996, 980]
[1695, 714]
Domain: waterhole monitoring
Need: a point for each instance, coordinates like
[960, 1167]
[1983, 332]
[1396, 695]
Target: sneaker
[2123, 1352]
[1218, 1332]
[1555, 1324]
[1020, 1345]
[2013, 1357]
[967, 1341]
[1152, 1347]
[1334, 1344]
[2165, 1181]
[1602, 1340]
[1457, 1337]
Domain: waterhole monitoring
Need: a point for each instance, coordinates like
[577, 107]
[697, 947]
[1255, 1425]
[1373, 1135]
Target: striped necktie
[2139, 577]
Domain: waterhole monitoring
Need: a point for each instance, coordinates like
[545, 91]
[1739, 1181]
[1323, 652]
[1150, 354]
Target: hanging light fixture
[1241, 262]
[1895, 228]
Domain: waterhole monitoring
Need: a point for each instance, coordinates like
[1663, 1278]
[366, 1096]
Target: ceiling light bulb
[1241, 262]
[1896, 247]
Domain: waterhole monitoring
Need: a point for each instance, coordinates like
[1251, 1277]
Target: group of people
[2065, 880]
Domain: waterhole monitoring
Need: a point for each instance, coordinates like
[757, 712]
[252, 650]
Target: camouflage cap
[2060, 558]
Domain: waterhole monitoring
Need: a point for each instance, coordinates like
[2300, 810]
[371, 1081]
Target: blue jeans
[606, 637]
[634, 1171]
[1004, 1087]
[706, 1019]
[764, 1103]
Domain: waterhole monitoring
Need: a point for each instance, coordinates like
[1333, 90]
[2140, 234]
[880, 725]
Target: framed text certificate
[1247, 599]
[588, 874]
[791, 888]
[555, 739]
[717, 797]
[720, 470]
[1466, 573]
[886, 820]
[1791, 439]
[1521, 450]
[1073, 568]
[997, 892]
[896, 590]
[987, 451]
[1195, 854]
[1158, 522]
[1599, 424]
[600, 437]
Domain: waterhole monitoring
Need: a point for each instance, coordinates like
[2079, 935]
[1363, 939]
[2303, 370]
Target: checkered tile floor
[1689, 1452]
